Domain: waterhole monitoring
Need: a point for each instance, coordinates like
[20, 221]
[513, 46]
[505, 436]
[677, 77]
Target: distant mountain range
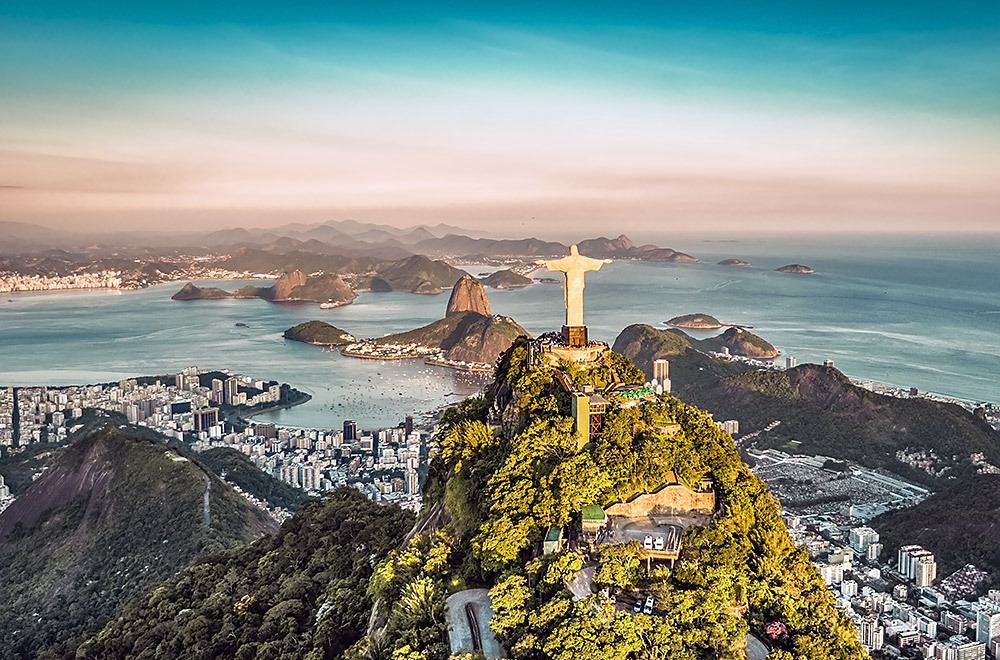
[298, 243]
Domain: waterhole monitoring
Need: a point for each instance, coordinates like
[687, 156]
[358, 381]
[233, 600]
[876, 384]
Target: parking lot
[668, 528]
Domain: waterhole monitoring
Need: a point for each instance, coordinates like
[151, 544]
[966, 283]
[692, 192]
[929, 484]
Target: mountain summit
[117, 512]
[468, 295]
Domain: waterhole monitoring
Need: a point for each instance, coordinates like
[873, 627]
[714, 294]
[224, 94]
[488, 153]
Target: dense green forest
[301, 593]
[821, 412]
[491, 496]
[117, 512]
[235, 467]
[960, 525]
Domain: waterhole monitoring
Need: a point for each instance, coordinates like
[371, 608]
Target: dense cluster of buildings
[899, 606]
[202, 410]
[385, 464]
[180, 268]
[180, 408]
[103, 279]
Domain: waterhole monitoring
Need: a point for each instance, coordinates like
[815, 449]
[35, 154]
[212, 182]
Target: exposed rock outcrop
[282, 289]
[468, 295]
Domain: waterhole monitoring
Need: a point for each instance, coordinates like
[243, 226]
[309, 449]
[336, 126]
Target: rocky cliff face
[481, 338]
[282, 289]
[468, 296]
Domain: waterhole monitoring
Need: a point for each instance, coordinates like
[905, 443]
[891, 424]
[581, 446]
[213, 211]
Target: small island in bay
[695, 322]
[734, 262]
[797, 269]
[319, 333]
[506, 279]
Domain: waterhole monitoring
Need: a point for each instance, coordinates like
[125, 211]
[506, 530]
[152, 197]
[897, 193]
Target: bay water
[918, 312]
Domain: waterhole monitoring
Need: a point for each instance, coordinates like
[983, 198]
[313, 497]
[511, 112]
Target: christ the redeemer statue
[573, 267]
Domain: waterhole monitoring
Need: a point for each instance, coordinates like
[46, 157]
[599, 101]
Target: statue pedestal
[574, 335]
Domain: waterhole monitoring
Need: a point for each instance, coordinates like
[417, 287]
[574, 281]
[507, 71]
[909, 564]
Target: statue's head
[573, 250]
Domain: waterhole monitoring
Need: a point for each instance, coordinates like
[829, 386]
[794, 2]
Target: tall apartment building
[917, 564]
[205, 418]
[925, 571]
[231, 390]
[987, 625]
[862, 537]
[871, 634]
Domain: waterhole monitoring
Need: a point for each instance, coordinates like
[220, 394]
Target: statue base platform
[551, 347]
[574, 335]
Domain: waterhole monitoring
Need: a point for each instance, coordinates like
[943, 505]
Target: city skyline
[849, 118]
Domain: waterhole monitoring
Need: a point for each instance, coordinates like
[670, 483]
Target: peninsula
[295, 285]
[468, 337]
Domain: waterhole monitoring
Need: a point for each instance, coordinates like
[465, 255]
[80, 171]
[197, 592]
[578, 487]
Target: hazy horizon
[790, 119]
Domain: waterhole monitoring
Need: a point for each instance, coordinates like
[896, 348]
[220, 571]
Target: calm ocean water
[911, 312]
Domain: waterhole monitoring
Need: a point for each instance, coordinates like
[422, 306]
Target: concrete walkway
[756, 649]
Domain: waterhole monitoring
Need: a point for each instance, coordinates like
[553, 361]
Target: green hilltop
[509, 470]
[960, 525]
[319, 333]
[117, 512]
[509, 494]
[822, 412]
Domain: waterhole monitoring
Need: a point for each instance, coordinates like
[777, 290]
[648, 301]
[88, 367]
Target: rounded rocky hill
[506, 279]
[796, 269]
[318, 333]
[696, 322]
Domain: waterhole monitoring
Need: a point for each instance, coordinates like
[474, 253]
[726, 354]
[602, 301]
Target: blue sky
[794, 116]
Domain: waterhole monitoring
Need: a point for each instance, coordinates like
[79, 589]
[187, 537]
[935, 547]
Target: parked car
[648, 542]
[659, 543]
[638, 605]
[648, 608]
[610, 596]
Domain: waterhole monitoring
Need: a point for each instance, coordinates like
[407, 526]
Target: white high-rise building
[862, 537]
[871, 634]
[987, 625]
